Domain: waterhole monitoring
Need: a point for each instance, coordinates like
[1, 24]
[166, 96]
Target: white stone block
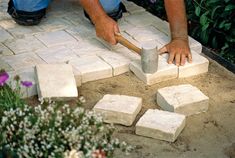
[22, 61]
[82, 32]
[162, 26]
[5, 66]
[58, 54]
[92, 68]
[119, 63]
[56, 81]
[184, 99]
[54, 24]
[132, 8]
[165, 72]
[90, 47]
[140, 19]
[161, 125]
[124, 25]
[129, 54]
[195, 45]
[119, 109]
[199, 65]
[4, 51]
[26, 44]
[56, 38]
[4, 35]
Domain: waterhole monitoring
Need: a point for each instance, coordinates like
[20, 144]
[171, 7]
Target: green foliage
[212, 22]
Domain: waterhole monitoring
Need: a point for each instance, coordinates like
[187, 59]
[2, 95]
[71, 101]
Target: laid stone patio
[65, 36]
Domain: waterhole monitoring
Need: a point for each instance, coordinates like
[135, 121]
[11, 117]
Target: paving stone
[162, 26]
[56, 38]
[56, 81]
[195, 45]
[119, 109]
[22, 61]
[118, 45]
[184, 99]
[4, 35]
[5, 66]
[4, 51]
[119, 63]
[90, 47]
[8, 24]
[27, 44]
[161, 125]
[54, 24]
[131, 7]
[165, 72]
[58, 54]
[77, 76]
[82, 32]
[140, 19]
[199, 65]
[131, 55]
[92, 68]
[124, 25]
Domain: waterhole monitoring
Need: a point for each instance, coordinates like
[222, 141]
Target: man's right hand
[106, 28]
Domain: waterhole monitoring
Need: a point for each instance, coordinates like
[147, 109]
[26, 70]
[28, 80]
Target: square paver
[4, 51]
[4, 35]
[161, 125]
[140, 19]
[92, 68]
[22, 61]
[199, 66]
[26, 44]
[56, 81]
[119, 63]
[165, 72]
[184, 99]
[119, 109]
[56, 38]
[59, 54]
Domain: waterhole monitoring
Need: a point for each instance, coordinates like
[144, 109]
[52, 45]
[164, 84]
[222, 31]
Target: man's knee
[23, 17]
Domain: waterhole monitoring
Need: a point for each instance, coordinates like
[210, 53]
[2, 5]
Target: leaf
[204, 27]
[227, 26]
[204, 36]
[214, 42]
[213, 11]
[204, 18]
[221, 25]
[197, 11]
[229, 7]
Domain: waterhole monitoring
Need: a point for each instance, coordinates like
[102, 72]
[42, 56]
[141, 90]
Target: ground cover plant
[51, 129]
[211, 22]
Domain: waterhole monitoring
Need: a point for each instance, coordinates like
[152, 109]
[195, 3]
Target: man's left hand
[178, 50]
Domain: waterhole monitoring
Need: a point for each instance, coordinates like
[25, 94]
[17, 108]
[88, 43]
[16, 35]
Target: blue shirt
[110, 5]
[31, 5]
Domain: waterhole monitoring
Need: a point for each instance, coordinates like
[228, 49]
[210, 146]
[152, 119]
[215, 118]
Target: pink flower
[26, 83]
[3, 78]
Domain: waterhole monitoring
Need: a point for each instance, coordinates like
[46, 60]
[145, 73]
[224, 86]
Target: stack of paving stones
[176, 102]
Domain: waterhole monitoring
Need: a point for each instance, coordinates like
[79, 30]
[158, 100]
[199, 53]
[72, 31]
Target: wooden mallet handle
[123, 41]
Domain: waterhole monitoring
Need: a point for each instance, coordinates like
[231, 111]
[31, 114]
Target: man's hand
[178, 50]
[106, 28]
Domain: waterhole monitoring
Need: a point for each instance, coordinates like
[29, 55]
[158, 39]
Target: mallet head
[149, 58]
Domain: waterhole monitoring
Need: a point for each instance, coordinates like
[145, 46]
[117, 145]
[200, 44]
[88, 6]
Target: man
[104, 13]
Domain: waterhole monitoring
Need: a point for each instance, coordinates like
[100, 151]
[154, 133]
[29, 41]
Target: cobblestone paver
[64, 36]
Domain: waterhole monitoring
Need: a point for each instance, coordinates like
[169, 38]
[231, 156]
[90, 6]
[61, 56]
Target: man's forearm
[176, 15]
[94, 9]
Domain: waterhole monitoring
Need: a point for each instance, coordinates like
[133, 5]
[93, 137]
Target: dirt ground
[206, 135]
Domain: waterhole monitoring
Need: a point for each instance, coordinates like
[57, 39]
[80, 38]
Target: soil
[206, 135]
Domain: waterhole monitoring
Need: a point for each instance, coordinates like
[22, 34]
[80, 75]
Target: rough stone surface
[55, 38]
[184, 99]
[27, 44]
[58, 54]
[4, 35]
[22, 61]
[199, 65]
[119, 63]
[119, 109]
[92, 68]
[165, 72]
[4, 51]
[56, 81]
[161, 125]
[5, 66]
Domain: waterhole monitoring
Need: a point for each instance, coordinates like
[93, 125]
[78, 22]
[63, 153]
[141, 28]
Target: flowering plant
[57, 131]
[51, 129]
[11, 97]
